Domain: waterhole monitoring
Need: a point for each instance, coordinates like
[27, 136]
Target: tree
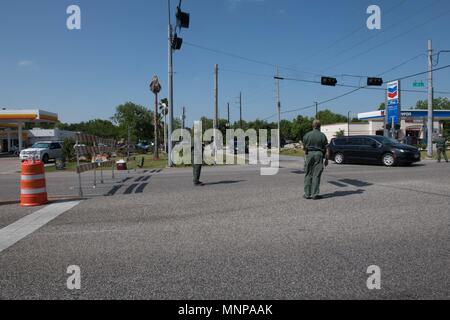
[382, 106]
[438, 104]
[300, 126]
[96, 127]
[68, 149]
[328, 117]
[137, 118]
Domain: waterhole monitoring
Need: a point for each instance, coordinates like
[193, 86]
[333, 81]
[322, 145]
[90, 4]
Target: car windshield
[41, 145]
[385, 140]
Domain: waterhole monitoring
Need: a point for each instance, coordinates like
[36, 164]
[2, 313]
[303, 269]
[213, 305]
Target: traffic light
[183, 19]
[176, 42]
[327, 81]
[375, 82]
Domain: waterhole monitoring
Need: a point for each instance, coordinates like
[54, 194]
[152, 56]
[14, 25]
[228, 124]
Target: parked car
[372, 149]
[43, 151]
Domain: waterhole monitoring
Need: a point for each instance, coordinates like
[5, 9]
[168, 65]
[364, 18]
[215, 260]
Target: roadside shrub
[68, 149]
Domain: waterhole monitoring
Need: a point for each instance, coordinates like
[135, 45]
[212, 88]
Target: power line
[353, 91]
[246, 59]
[349, 35]
[385, 29]
[389, 40]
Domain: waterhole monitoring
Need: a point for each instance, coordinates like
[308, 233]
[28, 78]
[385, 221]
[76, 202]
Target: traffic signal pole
[278, 107]
[430, 101]
[170, 95]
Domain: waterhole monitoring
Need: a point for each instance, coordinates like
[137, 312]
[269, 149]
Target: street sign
[393, 99]
[420, 84]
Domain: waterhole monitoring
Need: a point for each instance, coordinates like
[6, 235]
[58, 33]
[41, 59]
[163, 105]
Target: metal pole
[183, 119]
[216, 106]
[278, 107]
[430, 100]
[155, 123]
[228, 114]
[317, 109]
[77, 151]
[128, 142]
[165, 131]
[170, 87]
[240, 109]
[386, 114]
[348, 124]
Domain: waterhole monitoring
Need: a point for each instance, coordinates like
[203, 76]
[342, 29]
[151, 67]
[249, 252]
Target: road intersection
[241, 236]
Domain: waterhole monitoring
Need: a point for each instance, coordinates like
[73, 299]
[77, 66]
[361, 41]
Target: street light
[155, 87]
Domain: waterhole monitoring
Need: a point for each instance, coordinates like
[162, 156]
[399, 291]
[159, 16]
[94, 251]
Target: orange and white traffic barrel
[33, 191]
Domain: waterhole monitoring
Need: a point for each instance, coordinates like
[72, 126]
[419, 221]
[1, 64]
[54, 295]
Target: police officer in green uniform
[315, 145]
[197, 161]
[441, 145]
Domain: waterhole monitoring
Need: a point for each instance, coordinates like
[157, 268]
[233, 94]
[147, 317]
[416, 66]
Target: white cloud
[25, 63]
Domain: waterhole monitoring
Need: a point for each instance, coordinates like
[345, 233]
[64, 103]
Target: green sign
[418, 84]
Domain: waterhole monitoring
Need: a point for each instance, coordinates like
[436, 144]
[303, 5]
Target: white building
[413, 125]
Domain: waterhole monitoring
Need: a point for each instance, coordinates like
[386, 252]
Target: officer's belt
[314, 149]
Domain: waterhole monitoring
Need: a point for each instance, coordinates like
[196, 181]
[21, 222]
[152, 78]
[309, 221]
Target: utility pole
[348, 124]
[240, 109]
[278, 107]
[183, 118]
[170, 88]
[228, 114]
[317, 109]
[430, 100]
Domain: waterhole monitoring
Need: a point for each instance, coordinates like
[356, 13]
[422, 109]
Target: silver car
[43, 151]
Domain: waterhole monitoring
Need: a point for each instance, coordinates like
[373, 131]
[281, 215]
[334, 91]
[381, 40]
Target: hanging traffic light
[176, 42]
[327, 81]
[183, 19]
[378, 82]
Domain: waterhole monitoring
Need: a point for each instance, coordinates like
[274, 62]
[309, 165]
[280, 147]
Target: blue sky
[85, 74]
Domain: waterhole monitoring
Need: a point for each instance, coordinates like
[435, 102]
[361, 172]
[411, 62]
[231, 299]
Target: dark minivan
[372, 149]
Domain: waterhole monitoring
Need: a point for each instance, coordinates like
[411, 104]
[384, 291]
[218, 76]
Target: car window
[356, 141]
[41, 145]
[369, 141]
[340, 142]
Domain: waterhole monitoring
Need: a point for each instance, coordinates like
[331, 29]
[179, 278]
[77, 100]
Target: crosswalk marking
[15, 232]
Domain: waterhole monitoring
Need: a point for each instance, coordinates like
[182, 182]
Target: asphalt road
[243, 236]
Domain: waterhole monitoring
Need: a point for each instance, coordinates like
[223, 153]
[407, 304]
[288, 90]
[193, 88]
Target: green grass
[149, 163]
[293, 152]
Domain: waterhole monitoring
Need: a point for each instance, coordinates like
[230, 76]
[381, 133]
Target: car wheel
[339, 158]
[388, 160]
[45, 158]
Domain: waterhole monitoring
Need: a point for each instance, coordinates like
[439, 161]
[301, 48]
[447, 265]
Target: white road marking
[15, 232]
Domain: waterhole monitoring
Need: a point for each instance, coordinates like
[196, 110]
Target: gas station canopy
[9, 116]
[16, 119]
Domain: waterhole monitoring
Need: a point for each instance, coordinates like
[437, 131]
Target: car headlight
[401, 150]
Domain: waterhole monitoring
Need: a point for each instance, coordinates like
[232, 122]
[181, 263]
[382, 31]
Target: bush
[68, 149]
